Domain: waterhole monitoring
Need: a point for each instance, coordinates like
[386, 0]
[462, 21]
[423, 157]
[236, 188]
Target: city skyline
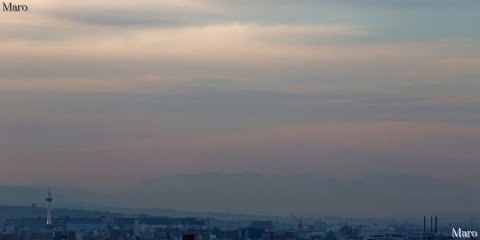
[102, 94]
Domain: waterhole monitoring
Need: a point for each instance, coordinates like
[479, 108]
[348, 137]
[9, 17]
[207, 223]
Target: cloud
[130, 14]
[151, 50]
[225, 130]
[256, 55]
[63, 20]
[175, 54]
[111, 6]
[315, 148]
[238, 85]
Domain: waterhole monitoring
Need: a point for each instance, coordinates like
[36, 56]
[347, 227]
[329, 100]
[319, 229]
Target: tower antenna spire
[49, 200]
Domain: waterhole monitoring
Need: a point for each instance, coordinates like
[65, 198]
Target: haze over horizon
[102, 94]
[62, 185]
[376, 195]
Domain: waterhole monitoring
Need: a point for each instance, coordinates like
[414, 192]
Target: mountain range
[378, 194]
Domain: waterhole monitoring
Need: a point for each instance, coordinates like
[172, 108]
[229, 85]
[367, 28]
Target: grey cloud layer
[334, 88]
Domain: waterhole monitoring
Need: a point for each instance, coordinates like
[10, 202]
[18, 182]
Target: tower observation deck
[49, 200]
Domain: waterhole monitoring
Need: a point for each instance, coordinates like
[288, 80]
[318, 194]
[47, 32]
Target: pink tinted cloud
[334, 150]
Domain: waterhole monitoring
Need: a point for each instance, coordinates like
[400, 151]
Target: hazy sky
[110, 93]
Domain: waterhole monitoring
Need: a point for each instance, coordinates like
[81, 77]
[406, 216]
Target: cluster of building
[66, 228]
[165, 228]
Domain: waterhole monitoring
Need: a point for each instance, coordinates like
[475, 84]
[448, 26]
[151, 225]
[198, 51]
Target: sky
[105, 94]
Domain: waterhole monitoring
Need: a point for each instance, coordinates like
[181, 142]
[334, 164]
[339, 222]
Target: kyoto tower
[49, 199]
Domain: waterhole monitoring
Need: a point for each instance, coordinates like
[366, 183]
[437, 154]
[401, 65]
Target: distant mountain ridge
[378, 194]
[40, 212]
[28, 195]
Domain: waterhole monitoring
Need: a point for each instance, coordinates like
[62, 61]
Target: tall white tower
[49, 199]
